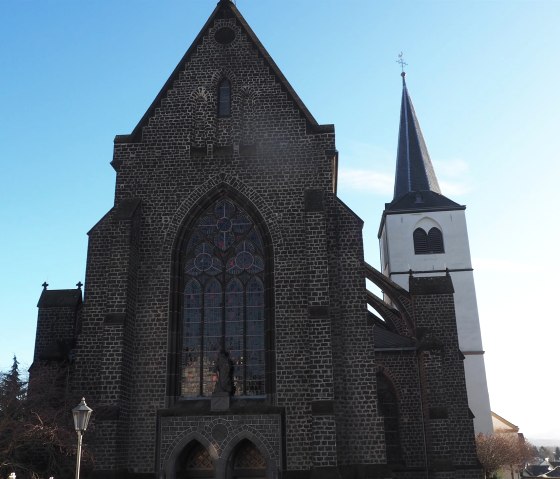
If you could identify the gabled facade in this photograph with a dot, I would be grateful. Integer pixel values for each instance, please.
(224, 330)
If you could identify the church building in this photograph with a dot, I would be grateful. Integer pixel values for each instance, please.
(224, 329)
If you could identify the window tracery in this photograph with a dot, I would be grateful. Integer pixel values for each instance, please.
(223, 301)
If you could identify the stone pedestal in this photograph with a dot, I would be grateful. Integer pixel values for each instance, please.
(219, 401)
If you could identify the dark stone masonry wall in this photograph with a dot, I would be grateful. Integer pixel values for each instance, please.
(401, 368)
(170, 173)
(58, 322)
(449, 427)
(220, 434)
(359, 427)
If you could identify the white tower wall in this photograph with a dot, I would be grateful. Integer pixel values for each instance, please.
(398, 257)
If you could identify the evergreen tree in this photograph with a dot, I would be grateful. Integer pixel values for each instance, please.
(12, 393)
(37, 439)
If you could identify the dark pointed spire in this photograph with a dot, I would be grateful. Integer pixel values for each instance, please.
(414, 167)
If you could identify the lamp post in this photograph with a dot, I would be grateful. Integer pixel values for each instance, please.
(81, 415)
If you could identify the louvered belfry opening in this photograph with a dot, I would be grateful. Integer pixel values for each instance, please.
(435, 240)
(428, 243)
(195, 462)
(420, 241)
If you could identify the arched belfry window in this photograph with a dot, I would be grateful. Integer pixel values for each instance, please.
(223, 303)
(428, 243)
(389, 411)
(224, 98)
(435, 240)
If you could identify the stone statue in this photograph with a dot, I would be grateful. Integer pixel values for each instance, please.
(224, 369)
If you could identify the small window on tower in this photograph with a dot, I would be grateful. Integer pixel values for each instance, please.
(224, 98)
(420, 241)
(435, 241)
(428, 243)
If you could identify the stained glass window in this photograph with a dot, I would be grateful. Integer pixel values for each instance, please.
(223, 303)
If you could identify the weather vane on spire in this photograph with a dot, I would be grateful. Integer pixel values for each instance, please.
(402, 63)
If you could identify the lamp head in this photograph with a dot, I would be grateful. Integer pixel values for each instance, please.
(81, 415)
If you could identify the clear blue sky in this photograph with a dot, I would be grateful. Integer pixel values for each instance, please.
(482, 75)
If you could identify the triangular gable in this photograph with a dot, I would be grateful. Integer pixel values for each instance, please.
(498, 420)
(226, 9)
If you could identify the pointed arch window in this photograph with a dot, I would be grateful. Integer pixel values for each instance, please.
(195, 462)
(389, 410)
(247, 462)
(224, 98)
(428, 243)
(223, 304)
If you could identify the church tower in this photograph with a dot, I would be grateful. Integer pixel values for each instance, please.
(423, 233)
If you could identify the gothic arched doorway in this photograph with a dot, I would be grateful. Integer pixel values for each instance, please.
(194, 462)
(246, 462)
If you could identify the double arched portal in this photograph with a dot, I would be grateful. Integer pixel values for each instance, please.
(244, 462)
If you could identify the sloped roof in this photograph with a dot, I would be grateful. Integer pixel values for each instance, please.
(225, 9)
(422, 201)
(499, 420)
(414, 166)
(416, 184)
(58, 298)
(384, 339)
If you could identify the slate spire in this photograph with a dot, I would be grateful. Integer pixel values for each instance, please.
(414, 167)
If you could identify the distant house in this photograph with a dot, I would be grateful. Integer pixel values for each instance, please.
(541, 468)
(503, 426)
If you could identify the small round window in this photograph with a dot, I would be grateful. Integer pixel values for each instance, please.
(224, 35)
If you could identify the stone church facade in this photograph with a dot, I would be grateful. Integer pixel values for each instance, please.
(224, 329)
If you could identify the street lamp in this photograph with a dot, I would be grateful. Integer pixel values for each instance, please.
(81, 415)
